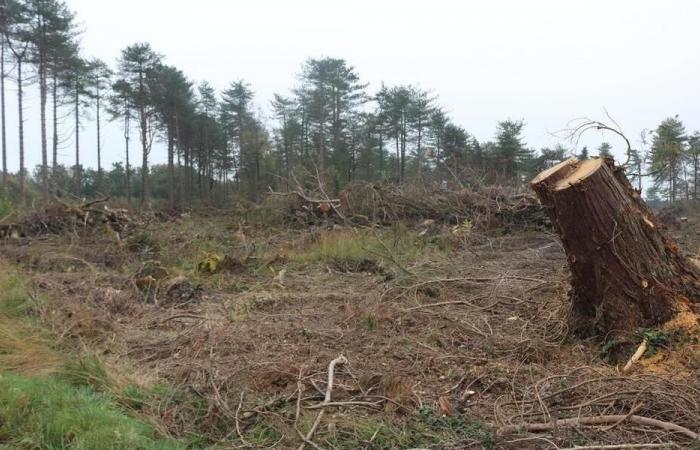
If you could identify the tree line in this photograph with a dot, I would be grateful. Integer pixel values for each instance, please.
(330, 130)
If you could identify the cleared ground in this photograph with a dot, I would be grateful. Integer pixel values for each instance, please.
(220, 333)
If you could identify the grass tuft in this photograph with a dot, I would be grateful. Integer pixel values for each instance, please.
(353, 247)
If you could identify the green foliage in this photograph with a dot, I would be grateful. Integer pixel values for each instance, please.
(210, 264)
(605, 150)
(459, 426)
(656, 338)
(5, 206)
(47, 413)
(370, 322)
(667, 157)
(144, 243)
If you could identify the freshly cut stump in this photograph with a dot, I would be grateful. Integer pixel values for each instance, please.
(626, 272)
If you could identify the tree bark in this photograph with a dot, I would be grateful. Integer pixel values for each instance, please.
(2, 111)
(127, 135)
(77, 174)
(20, 114)
(43, 88)
(54, 161)
(99, 136)
(626, 272)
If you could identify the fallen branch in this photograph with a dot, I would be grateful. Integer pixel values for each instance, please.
(598, 420)
(621, 446)
(329, 389)
(336, 404)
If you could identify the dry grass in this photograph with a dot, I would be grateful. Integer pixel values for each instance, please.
(25, 347)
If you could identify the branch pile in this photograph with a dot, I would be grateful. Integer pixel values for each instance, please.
(486, 207)
(60, 217)
(585, 397)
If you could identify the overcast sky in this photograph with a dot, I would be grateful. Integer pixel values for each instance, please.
(546, 62)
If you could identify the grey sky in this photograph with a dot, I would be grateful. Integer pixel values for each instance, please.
(544, 61)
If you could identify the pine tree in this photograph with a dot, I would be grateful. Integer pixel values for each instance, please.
(98, 82)
(120, 106)
(50, 26)
(18, 38)
(236, 117)
(668, 155)
(605, 150)
(136, 65)
(510, 150)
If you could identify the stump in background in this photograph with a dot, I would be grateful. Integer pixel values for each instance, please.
(626, 272)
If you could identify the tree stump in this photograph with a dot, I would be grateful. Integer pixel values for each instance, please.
(626, 272)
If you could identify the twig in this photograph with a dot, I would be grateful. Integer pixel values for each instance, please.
(329, 389)
(621, 446)
(238, 427)
(598, 420)
(638, 354)
(183, 316)
(356, 403)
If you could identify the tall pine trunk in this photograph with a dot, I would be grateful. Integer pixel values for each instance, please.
(144, 142)
(180, 174)
(127, 125)
(2, 111)
(43, 88)
(99, 140)
(171, 165)
(20, 113)
(54, 162)
(77, 174)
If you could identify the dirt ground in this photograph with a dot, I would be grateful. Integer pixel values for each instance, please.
(450, 335)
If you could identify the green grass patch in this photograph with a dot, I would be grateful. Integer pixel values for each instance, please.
(50, 399)
(49, 413)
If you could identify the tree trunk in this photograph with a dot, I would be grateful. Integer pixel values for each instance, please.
(180, 174)
(144, 141)
(20, 114)
(171, 166)
(626, 272)
(43, 88)
(99, 137)
(77, 174)
(2, 111)
(127, 125)
(54, 162)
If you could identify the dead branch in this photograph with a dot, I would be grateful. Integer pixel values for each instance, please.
(638, 354)
(621, 446)
(598, 420)
(329, 390)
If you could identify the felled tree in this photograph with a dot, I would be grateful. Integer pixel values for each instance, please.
(626, 271)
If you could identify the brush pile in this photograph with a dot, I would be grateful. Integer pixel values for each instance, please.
(364, 203)
(485, 207)
(61, 217)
